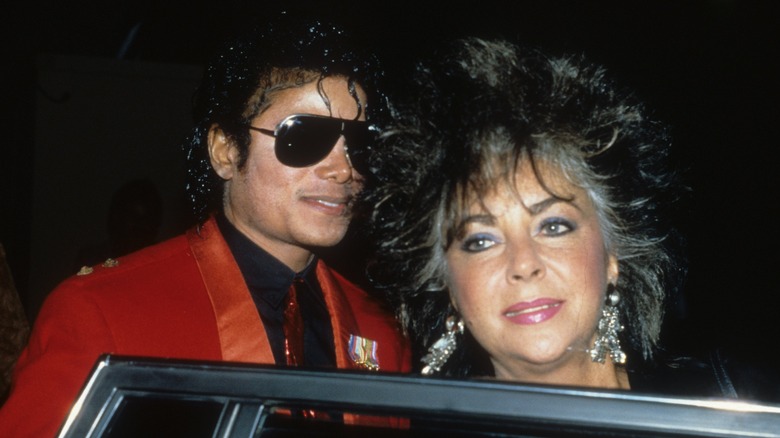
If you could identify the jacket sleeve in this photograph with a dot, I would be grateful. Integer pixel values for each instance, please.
(69, 335)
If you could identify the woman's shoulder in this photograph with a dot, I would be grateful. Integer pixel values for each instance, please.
(715, 373)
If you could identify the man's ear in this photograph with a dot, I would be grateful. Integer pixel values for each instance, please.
(222, 152)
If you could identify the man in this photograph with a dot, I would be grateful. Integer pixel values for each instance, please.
(273, 167)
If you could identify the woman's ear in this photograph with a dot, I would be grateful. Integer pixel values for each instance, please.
(613, 269)
(453, 303)
(222, 152)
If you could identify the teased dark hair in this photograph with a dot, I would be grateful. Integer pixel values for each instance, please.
(474, 113)
(239, 83)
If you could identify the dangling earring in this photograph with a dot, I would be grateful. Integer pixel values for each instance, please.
(442, 349)
(607, 341)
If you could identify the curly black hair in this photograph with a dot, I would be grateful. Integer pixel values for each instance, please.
(240, 81)
(474, 112)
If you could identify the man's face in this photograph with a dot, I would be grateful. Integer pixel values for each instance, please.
(287, 210)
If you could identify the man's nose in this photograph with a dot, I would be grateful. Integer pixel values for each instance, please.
(336, 165)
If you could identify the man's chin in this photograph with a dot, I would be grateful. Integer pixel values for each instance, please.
(324, 239)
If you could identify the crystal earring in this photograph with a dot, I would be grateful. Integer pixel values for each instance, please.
(442, 349)
(609, 326)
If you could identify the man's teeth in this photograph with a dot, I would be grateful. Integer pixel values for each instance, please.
(329, 204)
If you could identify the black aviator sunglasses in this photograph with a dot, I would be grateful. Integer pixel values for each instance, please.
(305, 139)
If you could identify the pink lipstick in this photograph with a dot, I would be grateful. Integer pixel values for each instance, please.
(533, 312)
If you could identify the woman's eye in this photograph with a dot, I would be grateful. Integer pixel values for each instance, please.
(556, 227)
(477, 243)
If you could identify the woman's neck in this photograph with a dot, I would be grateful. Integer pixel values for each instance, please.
(584, 373)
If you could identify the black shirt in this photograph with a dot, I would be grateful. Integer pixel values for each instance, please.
(268, 281)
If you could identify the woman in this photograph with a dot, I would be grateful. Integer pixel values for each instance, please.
(521, 206)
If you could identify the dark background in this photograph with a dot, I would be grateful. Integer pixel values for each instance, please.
(708, 68)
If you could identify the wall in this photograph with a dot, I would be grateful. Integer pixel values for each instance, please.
(101, 122)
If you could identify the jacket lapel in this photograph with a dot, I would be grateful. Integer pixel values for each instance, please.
(341, 317)
(241, 332)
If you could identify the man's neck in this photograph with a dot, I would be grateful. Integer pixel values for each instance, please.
(294, 257)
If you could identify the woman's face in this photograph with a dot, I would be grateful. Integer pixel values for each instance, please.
(528, 273)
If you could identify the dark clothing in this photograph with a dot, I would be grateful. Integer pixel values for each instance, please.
(713, 375)
(268, 281)
(14, 328)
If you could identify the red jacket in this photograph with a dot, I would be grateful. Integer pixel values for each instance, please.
(184, 298)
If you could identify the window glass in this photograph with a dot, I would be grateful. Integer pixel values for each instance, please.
(160, 416)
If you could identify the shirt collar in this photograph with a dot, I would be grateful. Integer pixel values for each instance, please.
(262, 272)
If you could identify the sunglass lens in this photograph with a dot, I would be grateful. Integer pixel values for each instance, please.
(359, 140)
(304, 141)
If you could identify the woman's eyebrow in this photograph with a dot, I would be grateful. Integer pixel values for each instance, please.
(534, 209)
(480, 218)
(544, 204)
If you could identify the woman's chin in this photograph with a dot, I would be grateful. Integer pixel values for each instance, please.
(541, 364)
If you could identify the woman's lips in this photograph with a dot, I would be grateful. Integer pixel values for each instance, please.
(533, 312)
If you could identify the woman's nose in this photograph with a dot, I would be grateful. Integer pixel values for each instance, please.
(525, 263)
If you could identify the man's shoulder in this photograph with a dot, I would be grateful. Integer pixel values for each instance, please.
(155, 263)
